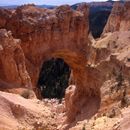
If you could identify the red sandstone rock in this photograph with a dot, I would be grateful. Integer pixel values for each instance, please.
(12, 60)
(119, 18)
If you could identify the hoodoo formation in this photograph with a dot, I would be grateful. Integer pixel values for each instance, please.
(99, 70)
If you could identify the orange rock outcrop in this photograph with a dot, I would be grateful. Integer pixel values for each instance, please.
(119, 18)
(12, 63)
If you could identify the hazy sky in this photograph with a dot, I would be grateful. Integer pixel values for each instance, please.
(49, 2)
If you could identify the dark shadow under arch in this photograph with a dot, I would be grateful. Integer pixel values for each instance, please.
(54, 78)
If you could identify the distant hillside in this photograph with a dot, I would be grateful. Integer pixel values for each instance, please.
(99, 13)
(9, 6)
(47, 6)
(15, 6)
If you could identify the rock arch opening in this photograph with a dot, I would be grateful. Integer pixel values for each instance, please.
(54, 78)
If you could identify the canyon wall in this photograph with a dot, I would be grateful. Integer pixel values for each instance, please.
(110, 54)
(13, 73)
(119, 20)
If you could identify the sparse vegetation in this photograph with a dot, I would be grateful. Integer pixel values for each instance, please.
(119, 80)
(120, 87)
(124, 100)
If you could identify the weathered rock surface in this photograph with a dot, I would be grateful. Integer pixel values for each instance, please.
(113, 23)
(119, 18)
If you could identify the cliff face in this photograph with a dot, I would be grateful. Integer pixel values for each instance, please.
(19, 113)
(119, 18)
(4, 15)
(110, 54)
(12, 63)
(125, 23)
(115, 39)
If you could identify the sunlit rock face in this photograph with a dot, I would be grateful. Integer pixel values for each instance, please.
(12, 63)
(119, 18)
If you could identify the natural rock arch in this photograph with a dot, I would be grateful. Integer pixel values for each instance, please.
(60, 33)
(83, 91)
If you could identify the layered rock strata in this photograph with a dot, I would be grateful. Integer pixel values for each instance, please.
(13, 73)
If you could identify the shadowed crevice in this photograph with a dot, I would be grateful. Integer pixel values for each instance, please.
(54, 78)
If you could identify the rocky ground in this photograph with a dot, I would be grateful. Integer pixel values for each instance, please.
(18, 113)
(33, 114)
